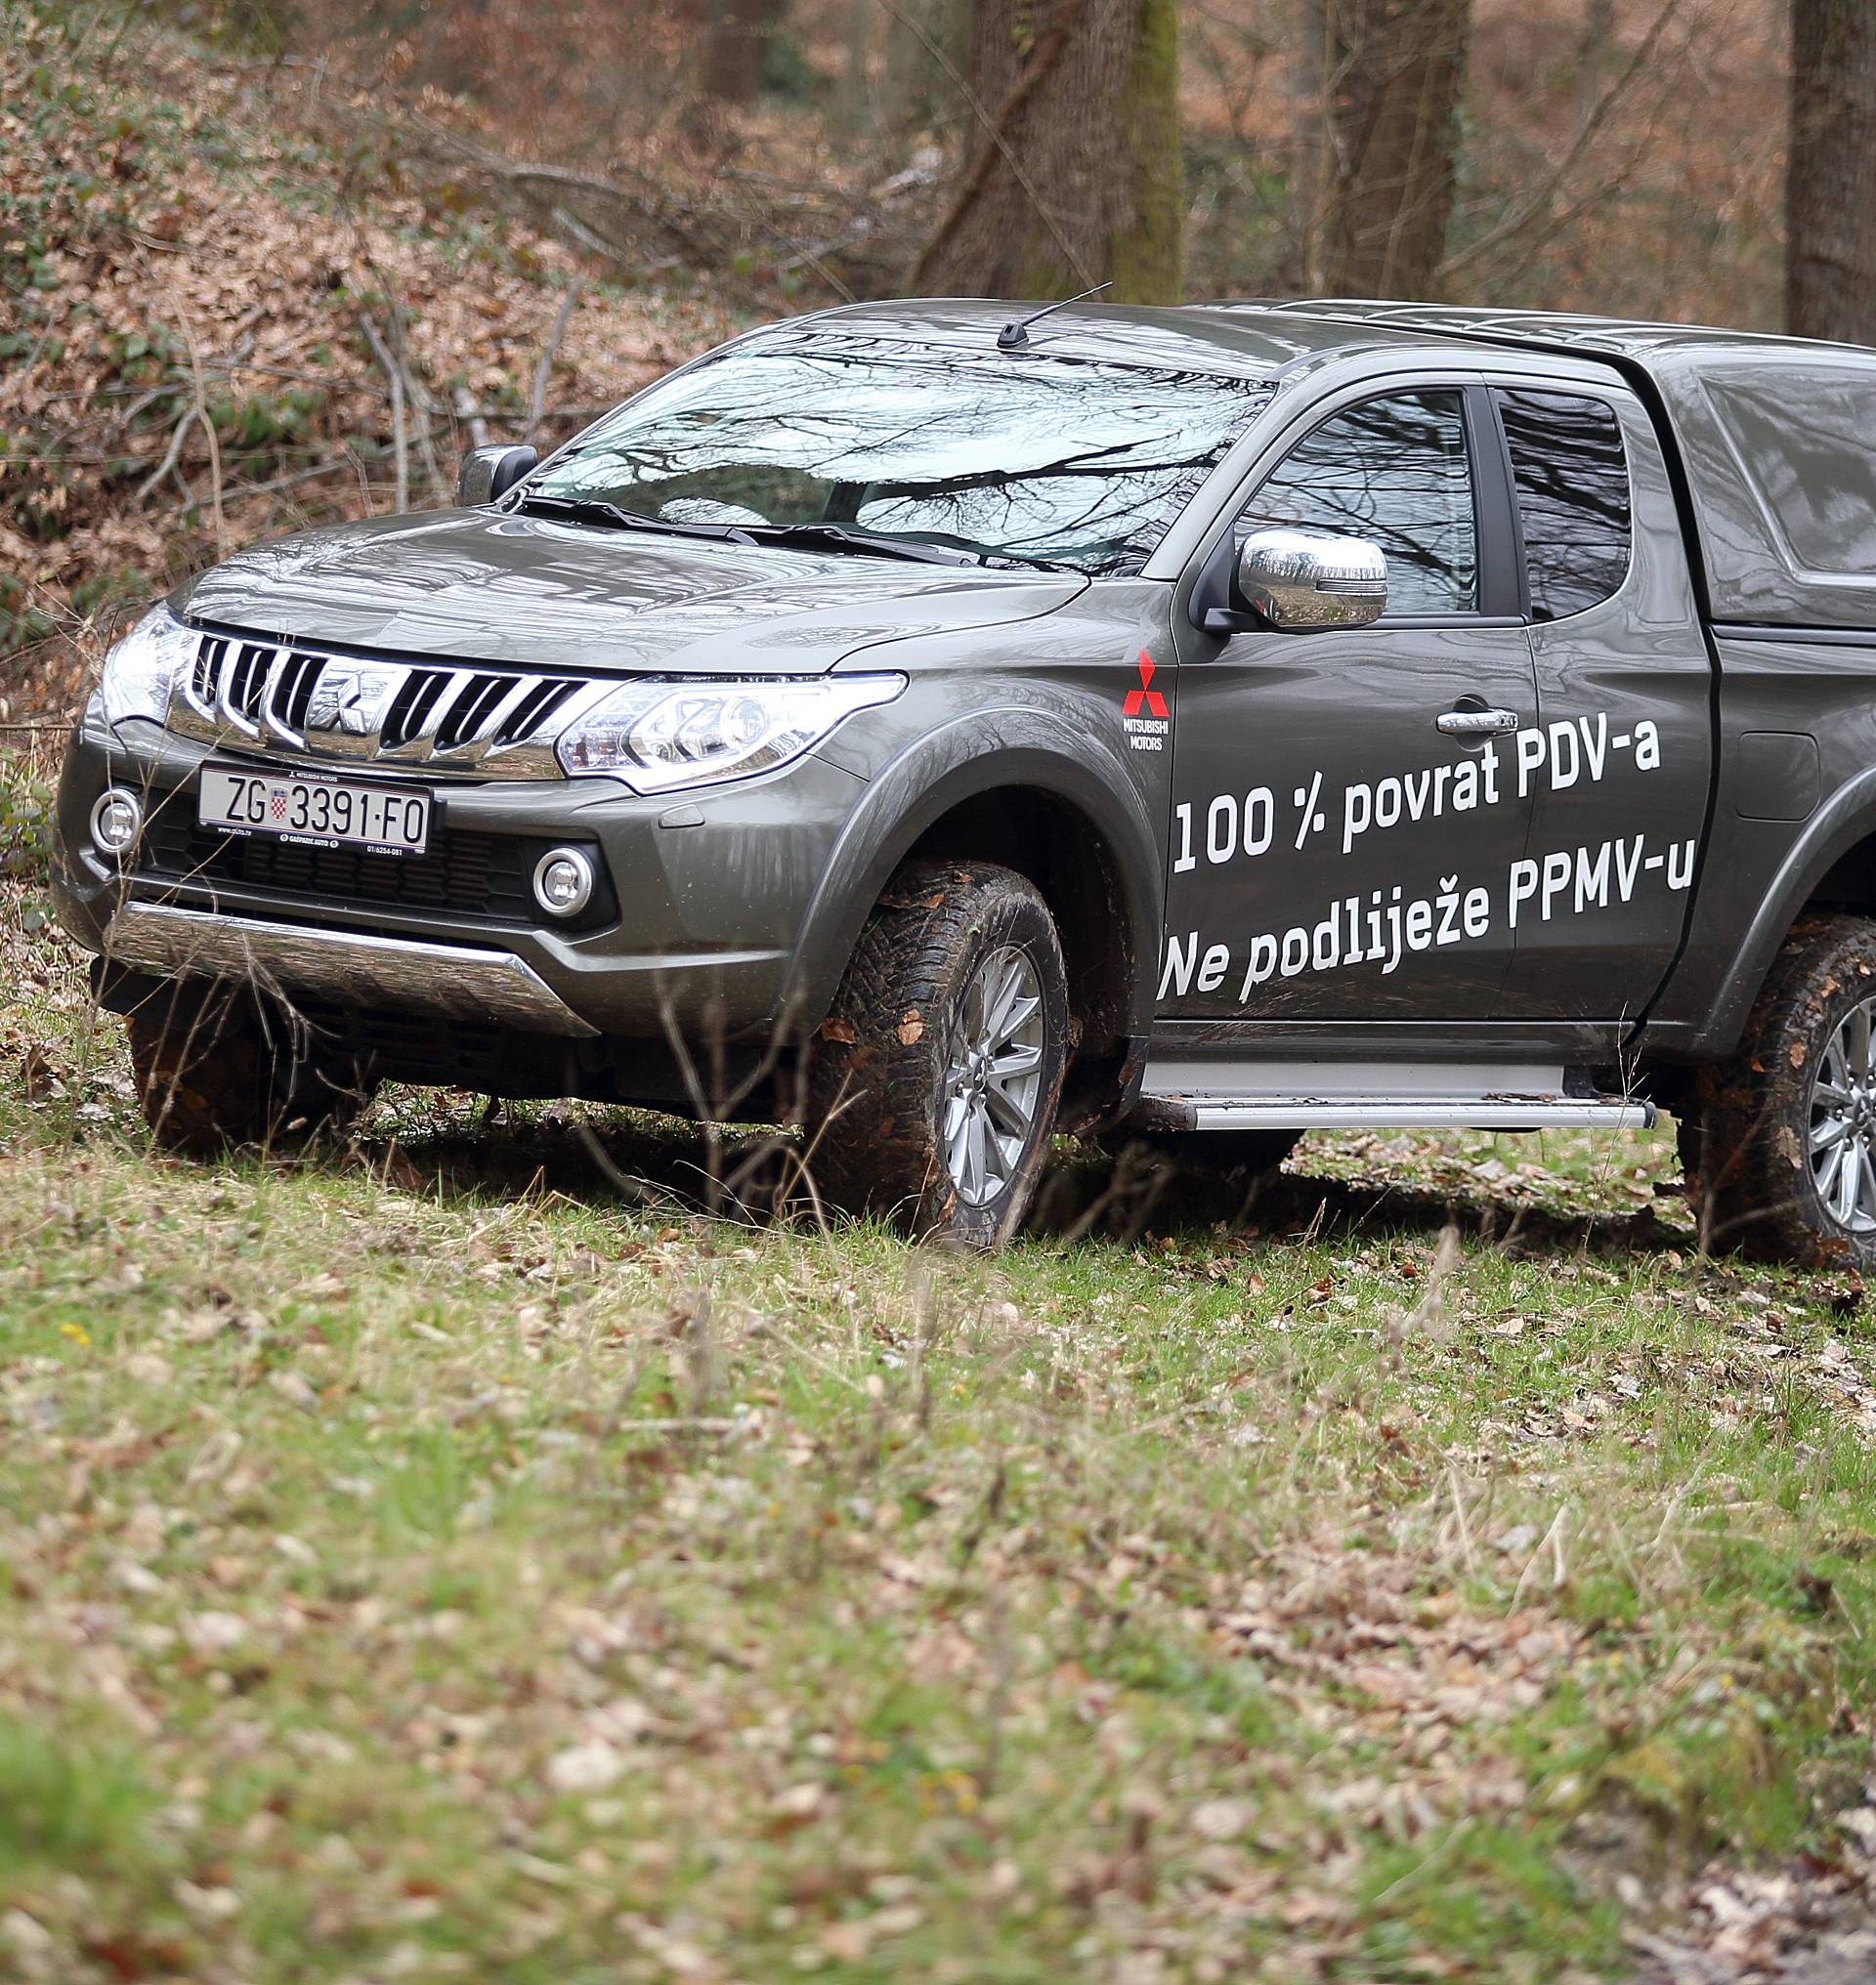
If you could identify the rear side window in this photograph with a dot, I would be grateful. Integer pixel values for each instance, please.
(1573, 483)
(1395, 471)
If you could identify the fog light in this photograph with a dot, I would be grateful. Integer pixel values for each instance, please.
(563, 882)
(116, 820)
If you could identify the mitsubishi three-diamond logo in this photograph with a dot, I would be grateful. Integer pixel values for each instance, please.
(348, 701)
(1144, 715)
(1146, 696)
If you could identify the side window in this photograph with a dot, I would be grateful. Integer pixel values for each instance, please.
(1571, 477)
(1395, 471)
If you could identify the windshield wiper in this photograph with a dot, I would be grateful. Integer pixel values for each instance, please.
(844, 538)
(596, 509)
(815, 537)
(1037, 564)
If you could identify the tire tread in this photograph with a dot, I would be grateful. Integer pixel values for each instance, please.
(870, 1096)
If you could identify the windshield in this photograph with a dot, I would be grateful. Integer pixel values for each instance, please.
(1032, 459)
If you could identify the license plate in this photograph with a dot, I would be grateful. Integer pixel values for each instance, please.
(316, 812)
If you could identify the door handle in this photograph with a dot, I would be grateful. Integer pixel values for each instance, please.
(1474, 722)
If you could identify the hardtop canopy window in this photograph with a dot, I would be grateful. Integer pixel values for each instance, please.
(1395, 471)
(1805, 435)
(1037, 458)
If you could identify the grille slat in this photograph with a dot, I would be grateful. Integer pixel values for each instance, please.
(295, 692)
(206, 670)
(471, 708)
(411, 707)
(246, 677)
(461, 718)
(533, 710)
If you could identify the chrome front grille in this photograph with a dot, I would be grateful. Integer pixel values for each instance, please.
(494, 723)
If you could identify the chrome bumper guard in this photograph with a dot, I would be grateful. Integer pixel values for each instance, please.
(351, 966)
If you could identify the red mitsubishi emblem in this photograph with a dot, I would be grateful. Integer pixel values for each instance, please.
(1146, 697)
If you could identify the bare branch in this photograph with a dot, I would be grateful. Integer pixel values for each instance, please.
(1537, 202)
(395, 373)
(538, 398)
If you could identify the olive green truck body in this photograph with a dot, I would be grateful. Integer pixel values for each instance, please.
(1515, 840)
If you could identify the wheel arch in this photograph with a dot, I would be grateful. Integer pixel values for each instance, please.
(1029, 790)
(1830, 865)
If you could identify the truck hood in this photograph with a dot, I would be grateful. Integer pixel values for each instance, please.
(475, 585)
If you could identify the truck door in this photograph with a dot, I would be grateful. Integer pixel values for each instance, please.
(1343, 812)
(1617, 770)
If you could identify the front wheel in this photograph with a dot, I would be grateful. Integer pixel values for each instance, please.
(935, 1079)
(1779, 1143)
(212, 1069)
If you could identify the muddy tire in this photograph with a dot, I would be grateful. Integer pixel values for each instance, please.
(213, 1072)
(1779, 1143)
(934, 1081)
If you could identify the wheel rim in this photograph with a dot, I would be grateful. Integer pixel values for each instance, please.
(1843, 1123)
(994, 1075)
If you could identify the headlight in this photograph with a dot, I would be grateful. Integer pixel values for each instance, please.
(657, 735)
(145, 667)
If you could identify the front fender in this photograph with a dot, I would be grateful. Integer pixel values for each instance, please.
(1002, 750)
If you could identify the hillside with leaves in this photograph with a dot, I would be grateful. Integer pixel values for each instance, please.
(218, 329)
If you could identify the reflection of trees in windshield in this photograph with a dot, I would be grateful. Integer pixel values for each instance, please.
(1052, 459)
(1393, 471)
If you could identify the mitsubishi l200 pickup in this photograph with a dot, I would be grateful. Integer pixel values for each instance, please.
(942, 730)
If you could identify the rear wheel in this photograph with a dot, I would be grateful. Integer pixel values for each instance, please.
(935, 1080)
(1779, 1145)
(213, 1070)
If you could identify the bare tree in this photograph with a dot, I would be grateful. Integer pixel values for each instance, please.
(1831, 185)
(1073, 173)
(925, 55)
(1376, 131)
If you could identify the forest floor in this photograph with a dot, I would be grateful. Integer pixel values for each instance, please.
(419, 1559)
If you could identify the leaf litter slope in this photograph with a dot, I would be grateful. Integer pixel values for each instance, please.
(207, 294)
(421, 1563)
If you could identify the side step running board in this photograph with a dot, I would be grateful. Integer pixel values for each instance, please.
(1397, 1113)
(1189, 1095)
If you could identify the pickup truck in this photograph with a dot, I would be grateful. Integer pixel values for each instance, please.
(942, 728)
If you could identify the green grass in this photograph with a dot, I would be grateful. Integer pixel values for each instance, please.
(416, 1561)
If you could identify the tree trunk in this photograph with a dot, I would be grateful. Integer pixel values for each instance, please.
(926, 46)
(1831, 185)
(1078, 178)
(1312, 149)
(1378, 155)
(732, 40)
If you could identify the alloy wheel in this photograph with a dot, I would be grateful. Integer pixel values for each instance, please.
(994, 1074)
(1843, 1123)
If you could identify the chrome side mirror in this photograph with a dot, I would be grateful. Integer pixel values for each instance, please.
(1303, 580)
(489, 473)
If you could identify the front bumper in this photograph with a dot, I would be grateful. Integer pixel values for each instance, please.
(710, 891)
(352, 967)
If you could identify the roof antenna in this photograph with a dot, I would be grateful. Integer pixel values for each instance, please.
(1014, 335)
